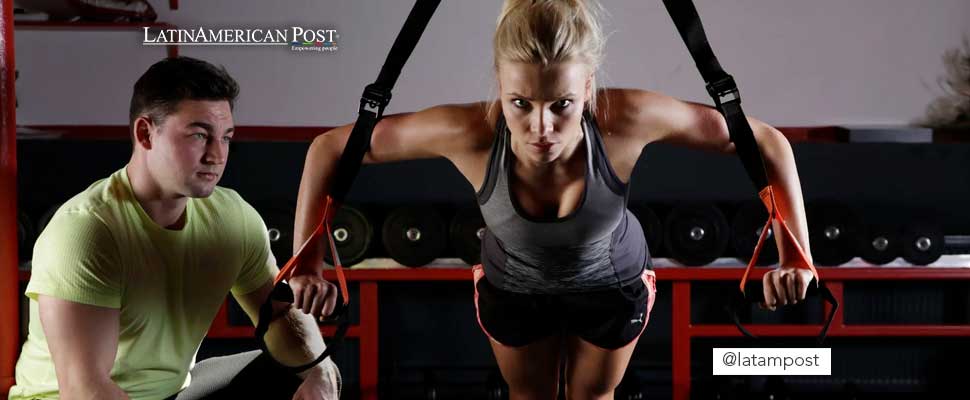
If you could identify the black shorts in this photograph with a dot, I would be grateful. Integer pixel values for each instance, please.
(609, 319)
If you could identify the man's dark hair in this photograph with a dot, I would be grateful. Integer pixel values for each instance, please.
(166, 83)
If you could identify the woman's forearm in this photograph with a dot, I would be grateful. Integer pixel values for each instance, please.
(783, 177)
(318, 170)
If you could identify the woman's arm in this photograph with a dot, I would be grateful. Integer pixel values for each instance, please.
(442, 131)
(642, 117)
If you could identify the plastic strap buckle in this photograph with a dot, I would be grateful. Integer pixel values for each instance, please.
(724, 91)
(374, 99)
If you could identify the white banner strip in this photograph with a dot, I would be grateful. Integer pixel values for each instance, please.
(772, 361)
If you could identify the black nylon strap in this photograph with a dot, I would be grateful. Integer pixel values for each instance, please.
(377, 95)
(727, 99)
(406, 40)
(374, 99)
(721, 87)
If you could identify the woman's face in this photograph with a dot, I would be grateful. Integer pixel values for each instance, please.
(543, 106)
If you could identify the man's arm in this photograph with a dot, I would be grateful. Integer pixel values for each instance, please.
(293, 337)
(83, 341)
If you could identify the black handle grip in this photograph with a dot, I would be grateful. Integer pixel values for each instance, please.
(284, 293)
(754, 294)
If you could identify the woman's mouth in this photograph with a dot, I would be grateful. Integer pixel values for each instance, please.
(542, 147)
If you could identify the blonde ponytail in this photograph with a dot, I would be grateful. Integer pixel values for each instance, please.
(550, 31)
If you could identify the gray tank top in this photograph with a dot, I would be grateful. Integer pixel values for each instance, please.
(599, 245)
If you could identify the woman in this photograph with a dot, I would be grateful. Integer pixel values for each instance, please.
(565, 264)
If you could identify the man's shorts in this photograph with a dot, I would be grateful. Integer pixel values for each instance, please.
(609, 319)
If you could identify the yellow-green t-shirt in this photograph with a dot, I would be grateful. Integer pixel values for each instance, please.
(102, 249)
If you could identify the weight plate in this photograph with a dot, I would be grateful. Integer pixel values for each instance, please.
(695, 234)
(465, 234)
(353, 233)
(746, 226)
(414, 235)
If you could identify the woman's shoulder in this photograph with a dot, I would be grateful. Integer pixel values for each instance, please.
(472, 115)
(472, 123)
(620, 109)
(617, 101)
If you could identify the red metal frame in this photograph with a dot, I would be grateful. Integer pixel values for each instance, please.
(120, 132)
(683, 330)
(9, 309)
(366, 332)
(815, 134)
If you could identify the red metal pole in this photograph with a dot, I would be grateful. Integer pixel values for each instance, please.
(9, 283)
(369, 337)
(681, 339)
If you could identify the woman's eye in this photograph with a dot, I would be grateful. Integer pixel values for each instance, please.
(519, 103)
(561, 104)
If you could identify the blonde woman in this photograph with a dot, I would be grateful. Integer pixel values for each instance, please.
(564, 263)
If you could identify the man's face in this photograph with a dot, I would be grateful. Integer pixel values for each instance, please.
(190, 148)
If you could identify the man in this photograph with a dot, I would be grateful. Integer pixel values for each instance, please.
(129, 274)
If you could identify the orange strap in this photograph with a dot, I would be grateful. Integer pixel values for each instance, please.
(789, 243)
(292, 267)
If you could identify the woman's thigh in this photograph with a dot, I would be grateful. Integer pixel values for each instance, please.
(532, 370)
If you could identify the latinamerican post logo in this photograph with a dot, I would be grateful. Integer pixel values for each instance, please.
(298, 38)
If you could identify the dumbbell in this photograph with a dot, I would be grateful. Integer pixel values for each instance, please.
(278, 217)
(353, 233)
(465, 233)
(922, 242)
(881, 243)
(834, 232)
(414, 235)
(652, 227)
(746, 228)
(695, 234)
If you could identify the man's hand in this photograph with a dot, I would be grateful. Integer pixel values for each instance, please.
(321, 383)
(785, 285)
(313, 294)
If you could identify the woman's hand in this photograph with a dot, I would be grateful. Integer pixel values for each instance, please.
(313, 294)
(785, 285)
